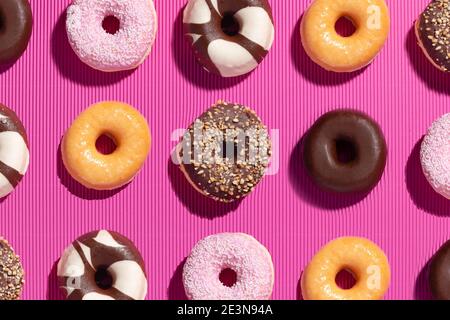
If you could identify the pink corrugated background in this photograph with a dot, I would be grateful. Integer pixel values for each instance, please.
(48, 87)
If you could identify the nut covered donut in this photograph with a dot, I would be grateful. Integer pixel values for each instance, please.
(130, 133)
(439, 276)
(229, 38)
(362, 258)
(345, 151)
(102, 265)
(16, 24)
(11, 272)
(334, 52)
(225, 152)
(238, 252)
(127, 48)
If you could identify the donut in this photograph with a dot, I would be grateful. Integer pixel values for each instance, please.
(345, 151)
(16, 24)
(361, 257)
(229, 38)
(14, 154)
(102, 265)
(225, 152)
(434, 155)
(238, 252)
(439, 275)
(337, 53)
(433, 33)
(125, 49)
(11, 272)
(130, 133)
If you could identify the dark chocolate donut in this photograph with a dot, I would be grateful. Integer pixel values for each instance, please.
(433, 33)
(225, 152)
(102, 265)
(16, 23)
(439, 276)
(11, 273)
(229, 38)
(345, 151)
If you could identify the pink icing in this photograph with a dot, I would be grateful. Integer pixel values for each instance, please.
(127, 48)
(435, 155)
(237, 251)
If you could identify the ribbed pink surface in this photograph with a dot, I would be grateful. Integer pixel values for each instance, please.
(48, 87)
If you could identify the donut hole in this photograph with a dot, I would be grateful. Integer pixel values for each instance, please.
(346, 151)
(228, 277)
(345, 279)
(230, 25)
(103, 278)
(345, 27)
(2, 22)
(105, 144)
(111, 24)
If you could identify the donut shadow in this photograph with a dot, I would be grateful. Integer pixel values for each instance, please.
(299, 294)
(433, 78)
(422, 289)
(5, 67)
(71, 67)
(305, 187)
(53, 291)
(420, 191)
(190, 68)
(193, 200)
(176, 288)
(77, 189)
(310, 70)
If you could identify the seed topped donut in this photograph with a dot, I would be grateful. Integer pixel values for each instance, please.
(123, 49)
(229, 38)
(236, 253)
(11, 272)
(433, 33)
(102, 265)
(345, 151)
(337, 53)
(225, 152)
(16, 24)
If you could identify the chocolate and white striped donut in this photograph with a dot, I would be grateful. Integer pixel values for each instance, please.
(102, 265)
(14, 154)
(229, 37)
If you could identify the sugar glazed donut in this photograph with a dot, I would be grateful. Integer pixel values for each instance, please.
(14, 154)
(130, 133)
(434, 155)
(334, 52)
(241, 253)
(102, 265)
(439, 275)
(345, 151)
(16, 24)
(362, 258)
(229, 38)
(11, 272)
(433, 33)
(127, 48)
(225, 152)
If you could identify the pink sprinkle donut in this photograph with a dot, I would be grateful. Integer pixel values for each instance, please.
(435, 155)
(239, 252)
(127, 48)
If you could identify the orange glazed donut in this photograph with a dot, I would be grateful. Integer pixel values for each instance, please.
(361, 257)
(129, 131)
(334, 52)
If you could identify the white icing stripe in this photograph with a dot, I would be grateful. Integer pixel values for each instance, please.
(194, 36)
(14, 151)
(197, 11)
(87, 253)
(129, 279)
(96, 296)
(230, 58)
(216, 6)
(5, 187)
(105, 238)
(70, 264)
(256, 26)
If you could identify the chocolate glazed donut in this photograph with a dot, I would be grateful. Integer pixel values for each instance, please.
(16, 23)
(345, 151)
(439, 276)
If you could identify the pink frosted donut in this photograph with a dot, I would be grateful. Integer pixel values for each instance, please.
(239, 252)
(435, 155)
(127, 48)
